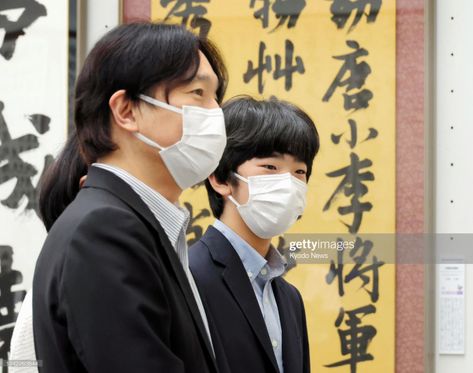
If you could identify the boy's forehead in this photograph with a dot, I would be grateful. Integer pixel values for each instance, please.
(280, 156)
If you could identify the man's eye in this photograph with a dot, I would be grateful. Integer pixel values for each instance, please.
(198, 91)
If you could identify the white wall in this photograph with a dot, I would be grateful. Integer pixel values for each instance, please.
(453, 149)
(33, 81)
(99, 16)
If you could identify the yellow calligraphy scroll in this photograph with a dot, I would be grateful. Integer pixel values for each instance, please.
(336, 60)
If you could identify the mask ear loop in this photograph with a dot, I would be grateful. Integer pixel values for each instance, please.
(148, 141)
(241, 177)
(231, 197)
(153, 101)
(234, 201)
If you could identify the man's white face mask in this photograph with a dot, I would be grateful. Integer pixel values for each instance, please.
(193, 158)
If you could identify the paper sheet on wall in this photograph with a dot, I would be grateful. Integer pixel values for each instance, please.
(452, 308)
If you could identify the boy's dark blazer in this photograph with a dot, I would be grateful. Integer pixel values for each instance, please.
(109, 292)
(234, 314)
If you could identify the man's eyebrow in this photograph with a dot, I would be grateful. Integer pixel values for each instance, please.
(206, 78)
(202, 77)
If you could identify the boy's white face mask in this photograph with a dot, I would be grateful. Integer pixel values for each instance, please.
(274, 203)
(193, 158)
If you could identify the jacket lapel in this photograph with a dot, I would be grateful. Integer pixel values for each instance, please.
(236, 279)
(291, 353)
(102, 179)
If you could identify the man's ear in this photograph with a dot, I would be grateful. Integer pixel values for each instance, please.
(122, 109)
(223, 189)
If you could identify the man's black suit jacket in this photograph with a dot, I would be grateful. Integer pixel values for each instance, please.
(109, 292)
(235, 316)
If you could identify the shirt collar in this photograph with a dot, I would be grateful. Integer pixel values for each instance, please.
(172, 217)
(255, 265)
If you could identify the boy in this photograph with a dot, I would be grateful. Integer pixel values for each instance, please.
(256, 193)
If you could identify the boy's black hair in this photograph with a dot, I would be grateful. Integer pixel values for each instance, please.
(258, 129)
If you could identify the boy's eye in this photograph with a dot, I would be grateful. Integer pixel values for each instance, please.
(269, 167)
(301, 172)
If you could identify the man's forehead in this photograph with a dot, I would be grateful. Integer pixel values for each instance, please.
(206, 77)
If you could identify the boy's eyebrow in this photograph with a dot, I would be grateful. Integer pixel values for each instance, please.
(273, 155)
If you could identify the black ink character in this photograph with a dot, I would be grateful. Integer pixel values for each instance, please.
(356, 339)
(359, 270)
(194, 228)
(357, 74)
(373, 133)
(14, 167)
(264, 64)
(14, 29)
(342, 10)
(358, 100)
(291, 66)
(286, 11)
(10, 301)
(186, 9)
(263, 13)
(353, 185)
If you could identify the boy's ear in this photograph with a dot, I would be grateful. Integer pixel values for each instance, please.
(221, 188)
(122, 110)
